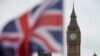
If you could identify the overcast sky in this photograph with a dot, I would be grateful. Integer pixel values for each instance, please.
(88, 17)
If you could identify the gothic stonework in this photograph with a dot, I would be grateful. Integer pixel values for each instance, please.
(73, 36)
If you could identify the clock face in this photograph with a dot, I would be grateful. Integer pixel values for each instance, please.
(72, 36)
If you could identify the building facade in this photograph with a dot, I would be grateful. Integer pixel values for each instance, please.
(73, 36)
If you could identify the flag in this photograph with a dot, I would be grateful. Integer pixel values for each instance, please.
(38, 30)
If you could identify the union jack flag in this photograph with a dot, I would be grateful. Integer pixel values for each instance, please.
(38, 30)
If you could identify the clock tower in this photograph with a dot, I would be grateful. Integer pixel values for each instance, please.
(73, 36)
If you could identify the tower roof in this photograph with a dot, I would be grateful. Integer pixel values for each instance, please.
(94, 54)
(73, 12)
(73, 22)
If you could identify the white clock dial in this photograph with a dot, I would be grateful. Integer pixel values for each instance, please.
(72, 36)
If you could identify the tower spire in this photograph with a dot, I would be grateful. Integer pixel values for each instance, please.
(73, 11)
(73, 2)
(94, 54)
(73, 21)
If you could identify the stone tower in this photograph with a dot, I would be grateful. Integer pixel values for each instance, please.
(73, 36)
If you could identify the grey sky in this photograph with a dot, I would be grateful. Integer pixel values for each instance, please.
(87, 11)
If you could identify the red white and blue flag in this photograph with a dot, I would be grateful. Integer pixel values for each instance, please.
(38, 30)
